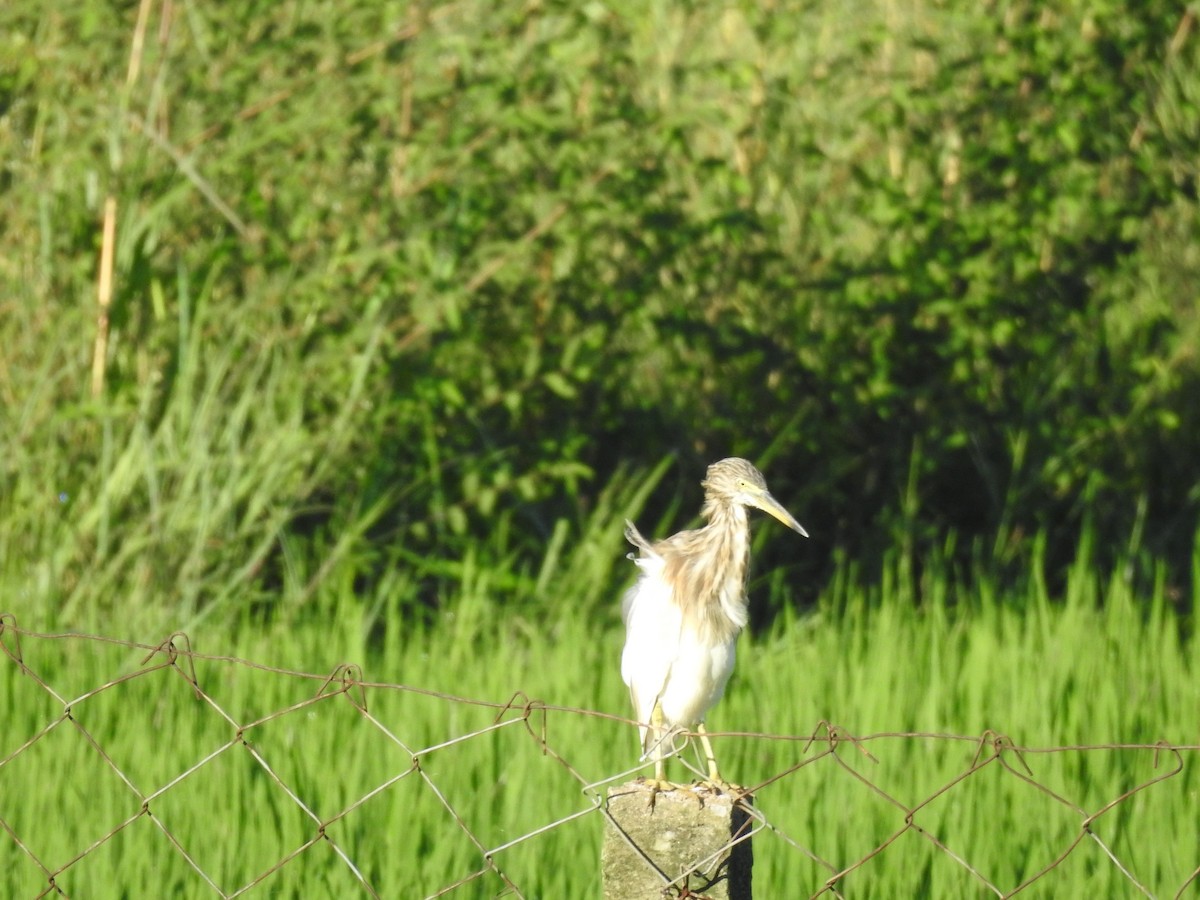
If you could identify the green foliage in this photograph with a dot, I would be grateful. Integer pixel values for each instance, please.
(414, 304)
(420, 282)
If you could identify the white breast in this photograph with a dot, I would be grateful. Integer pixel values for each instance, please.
(683, 669)
(697, 681)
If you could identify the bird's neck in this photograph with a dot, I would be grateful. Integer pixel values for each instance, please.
(728, 562)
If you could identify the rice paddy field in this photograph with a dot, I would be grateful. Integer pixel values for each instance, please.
(480, 742)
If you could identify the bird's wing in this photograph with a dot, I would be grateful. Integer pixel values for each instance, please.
(652, 628)
(650, 563)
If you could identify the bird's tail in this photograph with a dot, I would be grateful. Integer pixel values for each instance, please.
(635, 537)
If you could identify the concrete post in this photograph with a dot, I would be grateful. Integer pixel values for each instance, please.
(684, 842)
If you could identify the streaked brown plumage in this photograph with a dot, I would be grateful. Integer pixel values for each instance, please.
(686, 610)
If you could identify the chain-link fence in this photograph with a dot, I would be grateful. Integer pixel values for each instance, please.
(56, 749)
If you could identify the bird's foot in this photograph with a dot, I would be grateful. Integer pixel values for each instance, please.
(658, 786)
(719, 785)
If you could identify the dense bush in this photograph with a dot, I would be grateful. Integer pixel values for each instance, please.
(436, 277)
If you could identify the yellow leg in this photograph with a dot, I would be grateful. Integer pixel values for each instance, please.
(714, 774)
(655, 735)
(658, 736)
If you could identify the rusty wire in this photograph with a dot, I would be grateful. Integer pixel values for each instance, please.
(829, 745)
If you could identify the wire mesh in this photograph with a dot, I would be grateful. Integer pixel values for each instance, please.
(159, 806)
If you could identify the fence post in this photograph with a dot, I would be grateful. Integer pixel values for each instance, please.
(688, 835)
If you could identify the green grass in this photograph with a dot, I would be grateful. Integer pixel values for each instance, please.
(1104, 666)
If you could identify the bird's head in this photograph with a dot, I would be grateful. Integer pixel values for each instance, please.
(736, 481)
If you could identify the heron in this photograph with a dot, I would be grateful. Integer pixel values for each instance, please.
(684, 613)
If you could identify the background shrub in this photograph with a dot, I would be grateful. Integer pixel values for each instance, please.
(413, 286)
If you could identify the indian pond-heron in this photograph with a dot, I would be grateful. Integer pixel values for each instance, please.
(687, 608)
